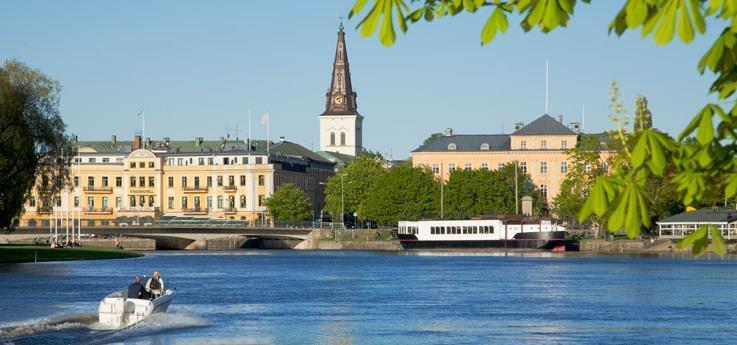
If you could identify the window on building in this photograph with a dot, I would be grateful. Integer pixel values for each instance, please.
(220, 202)
(484, 147)
(201, 161)
(142, 201)
(106, 160)
(141, 164)
(150, 164)
(211, 161)
(544, 191)
(564, 144)
(92, 160)
(209, 202)
(467, 166)
(197, 202)
(196, 181)
(523, 167)
(543, 144)
(118, 202)
(150, 181)
(209, 181)
(484, 166)
(76, 201)
(225, 160)
(133, 201)
(499, 165)
(171, 161)
(133, 165)
(332, 138)
(243, 201)
(142, 181)
(436, 168)
(171, 181)
(118, 181)
(523, 144)
(184, 202)
(105, 204)
(543, 167)
(261, 180)
(133, 181)
(180, 161)
(563, 167)
(259, 160)
(220, 181)
(243, 180)
(451, 167)
(170, 202)
(91, 181)
(32, 201)
(231, 202)
(342, 138)
(244, 160)
(184, 181)
(90, 201)
(261, 200)
(231, 180)
(150, 201)
(452, 147)
(104, 181)
(76, 181)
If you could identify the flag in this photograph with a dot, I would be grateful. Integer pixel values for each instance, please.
(265, 118)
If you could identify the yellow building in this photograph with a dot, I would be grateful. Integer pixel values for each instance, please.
(117, 182)
(539, 148)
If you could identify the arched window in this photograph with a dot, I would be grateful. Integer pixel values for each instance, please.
(452, 147)
(342, 138)
(484, 147)
(332, 138)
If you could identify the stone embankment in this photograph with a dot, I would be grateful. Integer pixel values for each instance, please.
(361, 239)
(637, 246)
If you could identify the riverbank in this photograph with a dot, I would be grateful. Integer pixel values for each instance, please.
(25, 253)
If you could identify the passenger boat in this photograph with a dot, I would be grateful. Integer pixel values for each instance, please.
(117, 311)
(487, 232)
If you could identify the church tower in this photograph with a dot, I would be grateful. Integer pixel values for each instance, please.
(341, 124)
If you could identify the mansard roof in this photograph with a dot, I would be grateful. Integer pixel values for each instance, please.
(545, 125)
(467, 143)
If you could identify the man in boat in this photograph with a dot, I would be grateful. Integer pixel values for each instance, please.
(136, 289)
(155, 285)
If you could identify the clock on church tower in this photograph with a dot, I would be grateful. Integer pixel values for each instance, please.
(340, 123)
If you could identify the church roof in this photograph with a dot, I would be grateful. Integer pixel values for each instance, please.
(545, 125)
(340, 98)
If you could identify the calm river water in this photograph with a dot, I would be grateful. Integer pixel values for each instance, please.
(295, 297)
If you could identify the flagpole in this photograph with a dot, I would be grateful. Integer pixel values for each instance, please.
(143, 127)
(249, 133)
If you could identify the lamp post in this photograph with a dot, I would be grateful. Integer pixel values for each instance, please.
(342, 202)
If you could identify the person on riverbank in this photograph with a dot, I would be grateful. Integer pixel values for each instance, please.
(155, 285)
(136, 289)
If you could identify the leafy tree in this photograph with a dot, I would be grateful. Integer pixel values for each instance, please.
(353, 183)
(701, 170)
(372, 154)
(432, 137)
(33, 147)
(473, 192)
(289, 204)
(585, 166)
(403, 193)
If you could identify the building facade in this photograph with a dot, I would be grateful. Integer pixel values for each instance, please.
(341, 126)
(683, 224)
(539, 148)
(122, 182)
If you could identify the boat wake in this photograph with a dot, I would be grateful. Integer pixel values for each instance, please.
(84, 329)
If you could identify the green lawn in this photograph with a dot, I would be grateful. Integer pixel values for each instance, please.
(21, 253)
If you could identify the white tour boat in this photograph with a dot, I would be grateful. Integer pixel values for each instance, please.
(487, 232)
(117, 311)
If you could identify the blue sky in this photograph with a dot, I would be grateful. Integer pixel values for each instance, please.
(194, 66)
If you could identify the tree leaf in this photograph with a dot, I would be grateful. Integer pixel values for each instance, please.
(717, 241)
(639, 152)
(685, 28)
(697, 238)
(666, 30)
(386, 32)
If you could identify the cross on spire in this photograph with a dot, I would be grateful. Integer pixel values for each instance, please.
(340, 27)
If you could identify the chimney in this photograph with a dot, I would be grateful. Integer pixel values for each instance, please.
(575, 127)
(518, 125)
(281, 139)
(198, 141)
(148, 142)
(448, 132)
(137, 142)
(114, 139)
(560, 118)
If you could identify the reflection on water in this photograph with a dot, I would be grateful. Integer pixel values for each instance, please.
(418, 297)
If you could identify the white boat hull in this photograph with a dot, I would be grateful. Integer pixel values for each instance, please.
(116, 311)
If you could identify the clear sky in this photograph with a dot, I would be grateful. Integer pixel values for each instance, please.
(194, 66)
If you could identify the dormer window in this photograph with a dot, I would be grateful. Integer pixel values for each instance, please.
(523, 145)
(484, 147)
(452, 147)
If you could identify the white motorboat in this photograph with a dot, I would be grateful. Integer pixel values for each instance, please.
(117, 311)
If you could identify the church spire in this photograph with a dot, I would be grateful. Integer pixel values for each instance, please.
(341, 99)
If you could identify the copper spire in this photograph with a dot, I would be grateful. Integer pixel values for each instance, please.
(341, 99)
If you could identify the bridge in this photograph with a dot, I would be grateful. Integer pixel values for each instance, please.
(182, 237)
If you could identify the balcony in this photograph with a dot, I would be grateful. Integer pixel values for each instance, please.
(101, 210)
(195, 189)
(98, 189)
(196, 210)
(139, 210)
(230, 210)
(231, 188)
